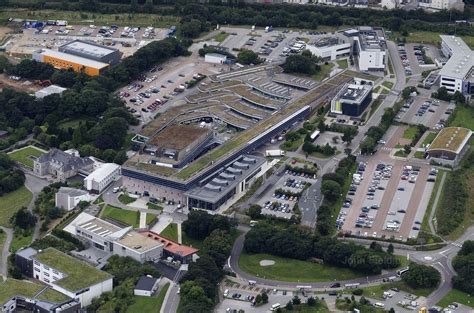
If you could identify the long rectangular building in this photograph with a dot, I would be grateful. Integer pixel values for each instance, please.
(457, 73)
(370, 50)
(61, 60)
(92, 51)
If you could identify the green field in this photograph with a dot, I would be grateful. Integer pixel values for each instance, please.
(123, 216)
(428, 139)
(150, 217)
(419, 155)
(24, 155)
(12, 287)
(324, 72)
(456, 296)
(463, 117)
(221, 37)
(12, 202)
(170, 232)
(387, 84)
(87, 18)
(433, 38)
(72, 123)
(342, 64)
(126, 199)
(19, 241)
(153, 206)
(292, 270)
(410, 132)
(400, 153)
(52, 295)
(149, 304)
(319, 308)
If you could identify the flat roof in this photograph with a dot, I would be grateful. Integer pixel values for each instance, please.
(177, 136)
(138, 242)
(100, 227)
(74, 59)
(462, 58)
(13, 287)
(228, 179)
(354, 93)
(170, 245)
(452, 139)
(79, 274)
(369, 39)
(53, 89)
(103, 171)
(88, 47)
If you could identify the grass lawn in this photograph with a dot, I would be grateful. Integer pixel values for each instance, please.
(401, 153)
(12, 287)
(221, 37)
(149, 304)
(72, 123)
(428, 139)
(19, 241)
(53, 296)
(87, 18)
(419, 155)
(24, 155)
(99, 200)
(342, 64)
(319, 308)
(463, 117)
(12, 202)
(410, 132)
(377, 90)
(3, 237)
(456, 296)
(387, 84)
(153, 206)
(292, 145)
(150, 217)
(374, 106)
(376, 292)
(324, 72)
(198, 244)
(170, 232)
(120, 215)
(293, 270)
(126, 199)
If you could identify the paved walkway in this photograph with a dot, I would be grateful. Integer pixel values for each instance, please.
(6, 251)
(142, 219)
(435, 204)
(180, 233)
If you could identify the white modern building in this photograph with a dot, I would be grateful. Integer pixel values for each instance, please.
(68, 198)
(50, 90)
(139, 247)
(102, 177)
(297, 1)
(370, 50)
(330, 48)
(457, 74)
(441, 4)
(334, 2)
(65, 274)
(390, 4)
(215, 58)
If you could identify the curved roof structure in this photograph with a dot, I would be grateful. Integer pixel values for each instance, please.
(452, 139)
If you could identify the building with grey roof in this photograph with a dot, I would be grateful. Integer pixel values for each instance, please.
(68, 198)
(146, 286)
(61, 165)
(370, 49)
(92, 51)
(50, 90)
(352, 99)
(457, 74)
(228, 184)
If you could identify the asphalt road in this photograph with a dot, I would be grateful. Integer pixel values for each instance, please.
(6, 251)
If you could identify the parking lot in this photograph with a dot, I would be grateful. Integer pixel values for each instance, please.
(126, 39)
(426, 111)
(280, 199)
(415, 56)
(382, 201)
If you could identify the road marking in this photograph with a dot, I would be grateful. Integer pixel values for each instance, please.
(444, 251)
(440, 264)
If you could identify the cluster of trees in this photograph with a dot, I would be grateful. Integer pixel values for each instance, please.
(455, 198)
(299, 243)
(23, 221)
(407, 91)
(296, 302)
(45, 205)
(375, 133)
(348, 132)
(331, 188)
(420, 130)
(310, 170)
(463, 263)
(103, 124)
(11, 178)
(442, 94)
(304, 63)
(422, 276)
(126, 272)
(326, 150)
(248, 57)
(199, 285)
(207, 49)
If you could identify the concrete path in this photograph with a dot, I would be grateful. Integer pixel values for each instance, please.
(6, 251)
(168, 292)
(435, 204)
(142, 220)
(162, 223)
(180, 234)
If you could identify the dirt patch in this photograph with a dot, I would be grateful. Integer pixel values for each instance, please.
(267, 262)
(22, 85)
(4, 31)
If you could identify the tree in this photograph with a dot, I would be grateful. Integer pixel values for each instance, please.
(23, 219)
(258, 299)
(296, 300)
(264, 298)
(218, 245)
(300, 64)
(392, 310)
(311, 301)
(422, 276)
(254, 211)
(289, 306)
(331, 190)
(390, 249)
(247, 57)
(407, 149)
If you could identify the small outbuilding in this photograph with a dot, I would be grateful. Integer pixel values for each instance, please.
(146, 286)
(215, 58)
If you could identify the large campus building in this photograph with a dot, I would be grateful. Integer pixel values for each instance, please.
(450, 145)
(442, 4)
(370, 49)
(216, 133)
(352, 99)
(457, 74)
(92, 51)
(330, 48)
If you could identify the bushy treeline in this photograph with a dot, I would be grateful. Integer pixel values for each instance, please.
(331, 188)
(104, 120)
(11, 178)
(463, 263)
(299, 243)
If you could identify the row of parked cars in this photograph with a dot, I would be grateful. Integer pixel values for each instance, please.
(278, 206)
(404, 58)
(293, 183)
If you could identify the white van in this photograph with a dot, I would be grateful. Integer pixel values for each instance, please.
(379, 305)
(275, 306)
(226, 292)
